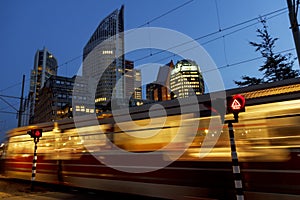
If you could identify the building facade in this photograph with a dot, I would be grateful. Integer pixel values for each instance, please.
(57, 96)
(54, 97)
(45, 65)
(159, 90)
(186, 79)
(103, 57)
(133, 81)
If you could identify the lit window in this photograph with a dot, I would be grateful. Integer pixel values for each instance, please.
(107, 52)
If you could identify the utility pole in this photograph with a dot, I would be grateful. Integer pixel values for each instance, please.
(293, 11)
(21, 104)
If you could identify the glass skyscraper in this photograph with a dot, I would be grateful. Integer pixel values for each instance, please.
(103, 58)
(45, 65)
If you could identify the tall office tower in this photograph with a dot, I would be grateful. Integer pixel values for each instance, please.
(103, 58)
(45, 65)
(185, 76)
(137, 84)
(133, 81)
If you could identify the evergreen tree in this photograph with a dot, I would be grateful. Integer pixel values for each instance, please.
(276, 66)
(247, 81)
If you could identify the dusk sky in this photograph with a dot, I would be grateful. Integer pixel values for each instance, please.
(64, 27)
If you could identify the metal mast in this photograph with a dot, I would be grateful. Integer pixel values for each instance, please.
(293, 11)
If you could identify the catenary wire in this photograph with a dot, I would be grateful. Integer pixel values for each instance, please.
(246, 61)
(198, 38)
(212, 33)
(220, 37)
(166, 13)
(145, 24)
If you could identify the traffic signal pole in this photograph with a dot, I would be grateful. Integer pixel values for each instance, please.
(34, 162)
(235, 105)
(35, 134)
(238, 184)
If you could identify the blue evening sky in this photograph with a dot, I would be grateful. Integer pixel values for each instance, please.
(64, 27)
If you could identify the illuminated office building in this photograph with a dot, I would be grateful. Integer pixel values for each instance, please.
(133, 81)
(186, 79)
(54, 97)
(45, 65)
(103, 58)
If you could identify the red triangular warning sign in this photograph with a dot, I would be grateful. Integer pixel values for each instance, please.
(236, 105)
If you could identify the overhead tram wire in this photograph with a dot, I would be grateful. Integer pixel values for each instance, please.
(71, 60)
(80, 56)
(145, 24)
(218, 16)
(246, 61)
(166, 13)
(8, 104)
(237, 30)
(14, 85)
(199, 38)
(240, 62)
(253, 19)
(9, 107)
(219, 37)
(8, 112)
(214, 33)
(9, 96)
(11, 86)
(223, 37)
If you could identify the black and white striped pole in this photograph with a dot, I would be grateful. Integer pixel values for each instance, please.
(235, 105)
(238, 184)
(35, 134)
(34, 162)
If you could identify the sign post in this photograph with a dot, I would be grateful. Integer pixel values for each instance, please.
(235, 105)
(35, 134)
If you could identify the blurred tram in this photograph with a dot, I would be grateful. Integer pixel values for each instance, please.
(267, 138)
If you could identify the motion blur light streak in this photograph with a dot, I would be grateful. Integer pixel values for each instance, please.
(267, 139)
(185, 131)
